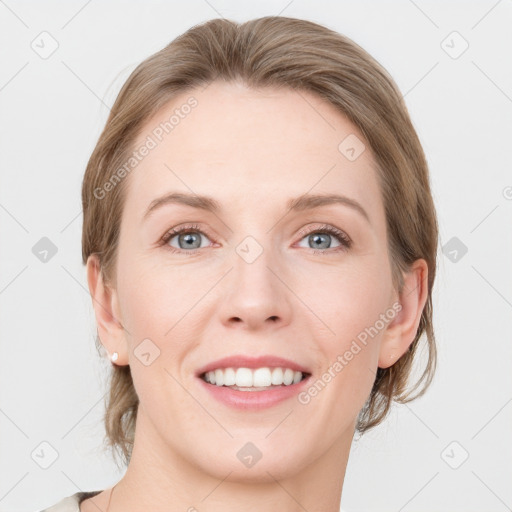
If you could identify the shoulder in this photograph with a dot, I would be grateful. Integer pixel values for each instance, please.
(71, 503)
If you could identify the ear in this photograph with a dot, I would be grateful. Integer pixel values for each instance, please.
(106, 310)
(401, 331)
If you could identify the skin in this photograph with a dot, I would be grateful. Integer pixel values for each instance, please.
(248, 148)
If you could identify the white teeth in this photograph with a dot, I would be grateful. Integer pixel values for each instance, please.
(297, 377)
(219, 377)
(277, 376)
(229, 377)
(288, 376)
(257, 378)
(262, 377)
(243, 377)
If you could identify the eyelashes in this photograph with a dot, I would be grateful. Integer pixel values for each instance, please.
(340, 236)
(194, 228)
(343, 238)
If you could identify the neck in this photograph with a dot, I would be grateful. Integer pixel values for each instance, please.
(160, 478)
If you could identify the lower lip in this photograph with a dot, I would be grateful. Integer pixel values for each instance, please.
(254, 400)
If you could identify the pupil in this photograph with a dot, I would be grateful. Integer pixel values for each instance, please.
(317, 238)
(189, 239)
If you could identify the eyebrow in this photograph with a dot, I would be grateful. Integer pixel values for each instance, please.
(301, 203)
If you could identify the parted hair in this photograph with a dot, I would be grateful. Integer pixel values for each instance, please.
(274, 51)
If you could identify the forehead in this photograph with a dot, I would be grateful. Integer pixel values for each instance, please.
(229, 141)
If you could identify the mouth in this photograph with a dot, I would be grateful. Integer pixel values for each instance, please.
(246, 396)
(253, 383)
(261, 379)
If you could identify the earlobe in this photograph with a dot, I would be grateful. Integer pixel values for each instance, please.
(401, 331)
(104, 302)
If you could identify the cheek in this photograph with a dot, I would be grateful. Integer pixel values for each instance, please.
(346, 300)
(153, 296)
(154, 306)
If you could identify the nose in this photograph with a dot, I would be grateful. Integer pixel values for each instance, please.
(255, 293)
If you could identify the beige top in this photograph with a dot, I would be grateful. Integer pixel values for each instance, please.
(71, 503)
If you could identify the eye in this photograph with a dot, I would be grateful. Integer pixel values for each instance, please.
(321, 237)
(188, 239)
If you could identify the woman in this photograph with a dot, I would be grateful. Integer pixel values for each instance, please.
(260, 241)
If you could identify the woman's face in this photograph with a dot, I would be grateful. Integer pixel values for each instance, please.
(252, 278)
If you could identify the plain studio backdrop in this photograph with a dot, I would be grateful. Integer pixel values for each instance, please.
(62, 67)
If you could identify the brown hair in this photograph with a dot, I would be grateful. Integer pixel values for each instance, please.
(276, 52)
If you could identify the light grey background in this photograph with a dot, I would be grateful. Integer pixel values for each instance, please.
(52, 111)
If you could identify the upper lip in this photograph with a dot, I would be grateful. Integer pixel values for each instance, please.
(241, 361)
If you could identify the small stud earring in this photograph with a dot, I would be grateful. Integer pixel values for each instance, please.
(114, 357)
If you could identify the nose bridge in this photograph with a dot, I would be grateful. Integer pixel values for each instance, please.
(254, 256)
(255, 248)
(254, 292)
